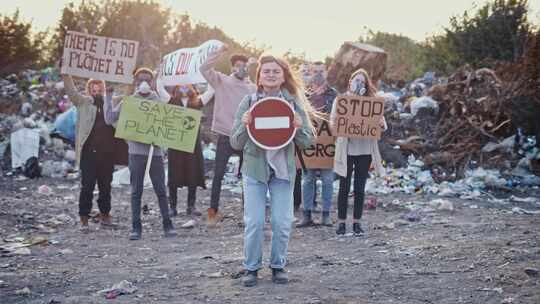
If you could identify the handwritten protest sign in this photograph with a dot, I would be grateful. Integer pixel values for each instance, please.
(182, 66)
(358, 116)
(159, 124)
(321, 154)
(99, 57)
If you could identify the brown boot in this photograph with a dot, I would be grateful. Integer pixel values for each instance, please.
(106, 219)
(214, 217)
(84, 224)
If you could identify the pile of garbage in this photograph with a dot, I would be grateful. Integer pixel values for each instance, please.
(37, 125)
(460, 123)
(414, 179)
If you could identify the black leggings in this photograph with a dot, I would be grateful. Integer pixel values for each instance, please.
(360, 164)
(173, 196)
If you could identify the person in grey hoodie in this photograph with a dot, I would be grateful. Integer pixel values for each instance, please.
(138, 156)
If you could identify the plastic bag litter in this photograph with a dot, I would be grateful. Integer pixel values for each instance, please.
(524, 199)
(24, 144)
(44, 189)
(209, 152)
(65, 124)
(122, 177)
(123, 288)
(442, 205)
(55, 169)
(424, 102)
(517, 210)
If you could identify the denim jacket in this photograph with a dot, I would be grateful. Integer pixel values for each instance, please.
(255, 164)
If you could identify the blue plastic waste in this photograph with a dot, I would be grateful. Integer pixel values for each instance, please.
(65, 124)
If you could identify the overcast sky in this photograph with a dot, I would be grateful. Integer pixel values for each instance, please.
(317, 28)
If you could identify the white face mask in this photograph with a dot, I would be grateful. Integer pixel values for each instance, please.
(144, 88)
(184, 100)
(358, 85)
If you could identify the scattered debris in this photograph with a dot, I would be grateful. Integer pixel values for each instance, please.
(123, 288)
(189, 224)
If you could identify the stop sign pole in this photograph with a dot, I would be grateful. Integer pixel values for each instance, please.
(272, 123)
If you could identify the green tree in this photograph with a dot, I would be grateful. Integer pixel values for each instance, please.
(406, 58)
(86, 18)
(143, 21)
(157, 29)
(20, 48)
(186, 34)
(496, 31)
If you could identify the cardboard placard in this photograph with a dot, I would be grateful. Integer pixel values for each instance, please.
(321, 154)
(97, 57)
(182, 66)
(358, 116)
(160, 124)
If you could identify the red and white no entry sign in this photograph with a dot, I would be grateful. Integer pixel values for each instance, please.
(272, 123)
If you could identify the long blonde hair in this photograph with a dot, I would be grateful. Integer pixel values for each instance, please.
(293, 85)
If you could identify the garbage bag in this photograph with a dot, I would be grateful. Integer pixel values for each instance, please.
(32, 168)
(65, 124)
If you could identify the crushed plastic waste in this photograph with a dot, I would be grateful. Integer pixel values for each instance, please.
(44, 189)
(123, 288)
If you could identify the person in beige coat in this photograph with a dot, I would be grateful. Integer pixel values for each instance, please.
(94, 148)
(355, 156)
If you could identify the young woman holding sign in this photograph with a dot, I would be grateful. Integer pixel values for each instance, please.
(187, 169)
(355, 155)
(270, 171)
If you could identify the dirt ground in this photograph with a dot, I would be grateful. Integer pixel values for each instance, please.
(478, 253)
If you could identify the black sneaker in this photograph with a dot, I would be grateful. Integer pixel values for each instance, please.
(135, 235)
(168, 230)
(250, 279)
(280, 276)
(357, 229)
(341, 229)
(193, 211)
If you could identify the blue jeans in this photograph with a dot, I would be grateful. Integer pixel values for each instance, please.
(281, 219)
(309, 187)
(137, 167)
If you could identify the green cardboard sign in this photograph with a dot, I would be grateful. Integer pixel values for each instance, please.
(159, 124)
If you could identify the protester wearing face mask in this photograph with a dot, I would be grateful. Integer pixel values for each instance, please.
(138, 156)
(355, 155)
(94, 146)
(321, 98)
(229, 91)
(270, 171)
(187, 169)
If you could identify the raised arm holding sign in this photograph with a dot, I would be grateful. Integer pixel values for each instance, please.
(183, 66)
